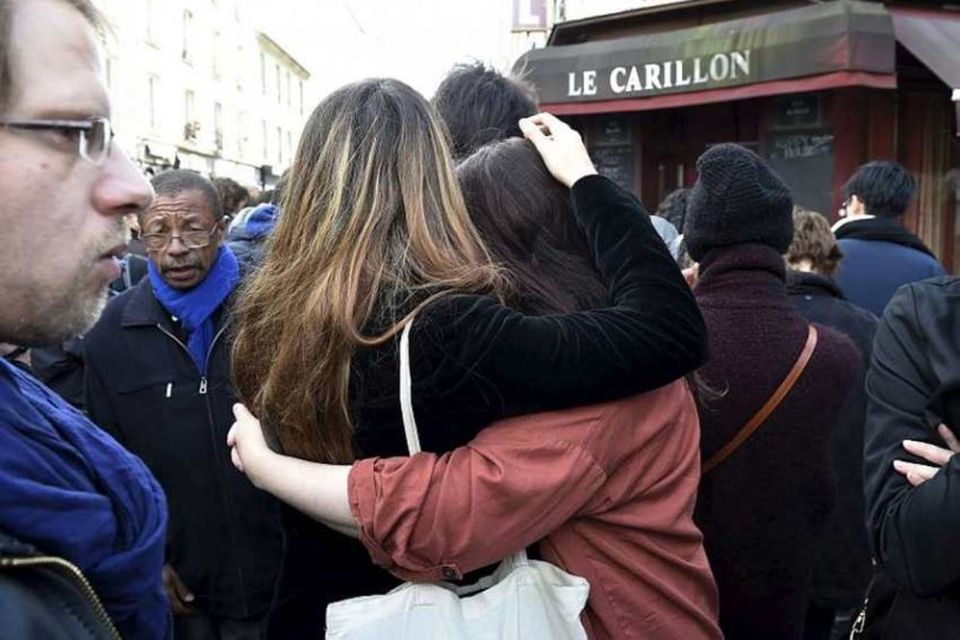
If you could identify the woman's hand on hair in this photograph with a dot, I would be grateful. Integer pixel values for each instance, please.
(917, 474)
(560, 147)
(248, 448)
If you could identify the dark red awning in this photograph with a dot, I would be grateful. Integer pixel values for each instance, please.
(934, 38)
(821, 46)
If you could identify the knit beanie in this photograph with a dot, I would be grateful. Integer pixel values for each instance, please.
(737, 199)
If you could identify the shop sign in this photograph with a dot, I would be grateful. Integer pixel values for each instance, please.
(657, 76)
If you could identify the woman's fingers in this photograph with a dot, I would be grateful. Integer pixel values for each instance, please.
(929, 452)
(916, 474)
(952, 442)
(560, 147)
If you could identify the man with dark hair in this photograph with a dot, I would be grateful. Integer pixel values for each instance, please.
(71, 499)
(480, 105)
(158, 379)
(880, 254)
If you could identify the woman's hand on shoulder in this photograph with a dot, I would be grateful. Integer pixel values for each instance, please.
(560, 147)
(249, 451)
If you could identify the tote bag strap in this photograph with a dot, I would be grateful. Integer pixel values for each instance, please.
(406, 393)
(410, 423)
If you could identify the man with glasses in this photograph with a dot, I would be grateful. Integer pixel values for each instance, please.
(158, 379)
(82, 521)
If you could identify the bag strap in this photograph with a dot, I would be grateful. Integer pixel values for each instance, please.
(769, 407)
(410, 424)
(406, 393)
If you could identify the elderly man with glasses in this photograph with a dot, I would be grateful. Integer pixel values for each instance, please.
(158, 379)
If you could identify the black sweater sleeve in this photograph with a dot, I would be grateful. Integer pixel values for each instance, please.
(498, 362)
(915, 531)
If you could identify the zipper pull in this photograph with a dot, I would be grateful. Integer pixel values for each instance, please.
(203, 386)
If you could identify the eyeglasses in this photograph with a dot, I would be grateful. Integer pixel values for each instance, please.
(94, 135)
(189, 239)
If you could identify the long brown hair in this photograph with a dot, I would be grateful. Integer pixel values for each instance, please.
(526, 219)
(372, 217)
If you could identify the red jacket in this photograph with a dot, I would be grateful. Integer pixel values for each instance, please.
(608, 490)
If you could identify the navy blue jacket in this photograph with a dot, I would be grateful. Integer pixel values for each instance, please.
(880, 256)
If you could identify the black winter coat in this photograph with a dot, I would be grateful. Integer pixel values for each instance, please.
(913, 385)
(761, 508)
(842, 570)
(224, 538)
(475, 361)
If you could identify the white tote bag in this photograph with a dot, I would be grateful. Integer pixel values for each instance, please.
(522, 600)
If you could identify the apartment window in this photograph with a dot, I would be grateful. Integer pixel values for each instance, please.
(289, 144)
(301, 97)
(263, 73)
(218, 126)
(189, 99)
(263, 140)
(187, 35)
(152, 93)
(279, 147)
(151, 19)
(279, 85)
(241, 132)
(108, 72)
(289, 92)
(215, 55)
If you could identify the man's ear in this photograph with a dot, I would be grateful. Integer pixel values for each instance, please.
(856, 205)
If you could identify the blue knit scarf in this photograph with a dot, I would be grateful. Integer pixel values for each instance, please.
(70, 490)
(194, 308)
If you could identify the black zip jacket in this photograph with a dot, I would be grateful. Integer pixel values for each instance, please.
(842, 568)
(912, 386)
(142, 386)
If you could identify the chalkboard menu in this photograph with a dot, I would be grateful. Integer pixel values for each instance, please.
(804, 160)
(612, 151)
(799, 110)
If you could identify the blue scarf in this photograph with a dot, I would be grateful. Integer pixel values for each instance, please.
(194, 308)
(70, 490)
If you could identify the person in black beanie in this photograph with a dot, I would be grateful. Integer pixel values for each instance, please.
(761, 506)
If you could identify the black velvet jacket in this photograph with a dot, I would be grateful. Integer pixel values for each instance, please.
(475, 361)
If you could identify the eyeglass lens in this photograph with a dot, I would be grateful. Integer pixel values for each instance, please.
(95, 141)
(189, 239)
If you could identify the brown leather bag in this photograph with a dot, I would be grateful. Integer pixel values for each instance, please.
(769, 407)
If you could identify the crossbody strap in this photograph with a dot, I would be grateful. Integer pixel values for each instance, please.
(771, 405)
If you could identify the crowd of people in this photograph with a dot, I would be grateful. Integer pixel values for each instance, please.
(729, 418)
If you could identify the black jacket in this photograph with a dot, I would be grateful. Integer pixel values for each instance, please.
(142, 386)
(842, 568)
(47, 598)
(475, 361)
(912, 386)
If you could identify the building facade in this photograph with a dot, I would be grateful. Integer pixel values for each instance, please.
(195, 85)
(816, 89)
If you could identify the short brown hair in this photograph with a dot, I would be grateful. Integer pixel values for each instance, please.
(813, 240)
(85, 7)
